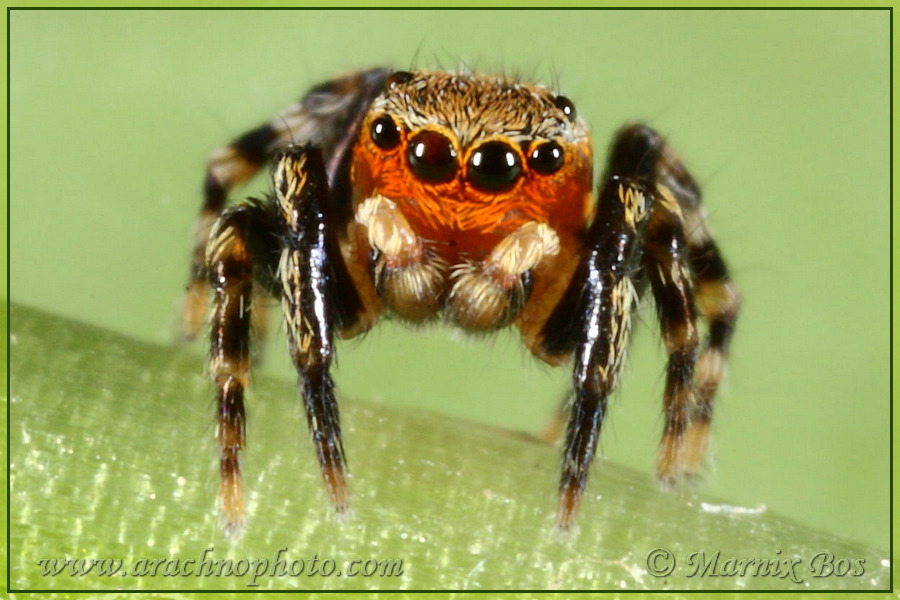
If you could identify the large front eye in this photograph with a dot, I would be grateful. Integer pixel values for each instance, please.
(385, 133)
(432, 156)
(494, 166)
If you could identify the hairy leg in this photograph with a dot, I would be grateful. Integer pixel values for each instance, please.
(329, 115)
(231, 259)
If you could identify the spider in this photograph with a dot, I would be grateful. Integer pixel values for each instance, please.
(465, 197)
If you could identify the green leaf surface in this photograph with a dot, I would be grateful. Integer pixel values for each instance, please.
(113, 457)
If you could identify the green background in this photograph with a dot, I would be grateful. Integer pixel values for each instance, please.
(783, 117)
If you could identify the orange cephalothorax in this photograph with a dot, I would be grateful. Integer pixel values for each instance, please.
(468, 159)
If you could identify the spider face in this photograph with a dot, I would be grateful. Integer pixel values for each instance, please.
(470, 158)
(466, 197)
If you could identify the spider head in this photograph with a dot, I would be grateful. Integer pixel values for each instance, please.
(474, 153)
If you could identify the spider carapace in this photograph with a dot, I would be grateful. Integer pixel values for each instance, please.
(458, 196)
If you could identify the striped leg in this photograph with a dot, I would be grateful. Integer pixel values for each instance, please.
(328, 115)
(228, 167)
(718, 301)
(230, 263)
(307, 265)
(717, 298)
(605, 297)
(666, 266)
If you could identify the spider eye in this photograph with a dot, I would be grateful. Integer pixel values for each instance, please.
(494, 166)
(546, 158)
(398, 77)
(432, 156)
(565, 105)
(385, 133)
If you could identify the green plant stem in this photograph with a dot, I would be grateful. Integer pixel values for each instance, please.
(113, 456)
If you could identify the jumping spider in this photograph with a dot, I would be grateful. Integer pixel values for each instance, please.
(430, 194)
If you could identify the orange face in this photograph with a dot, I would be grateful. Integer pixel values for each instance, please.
(469, 159)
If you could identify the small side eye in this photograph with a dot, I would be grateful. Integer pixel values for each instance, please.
(385, 133)
(565, 105)
(546, 158)
(397, 78)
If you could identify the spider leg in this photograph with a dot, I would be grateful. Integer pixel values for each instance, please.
(310, 265)
(716, 296)
(718, 302)
(228, 167)
(239, 249)
(601, 298)
(641, 169)
(329, 115)
(666, 266)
